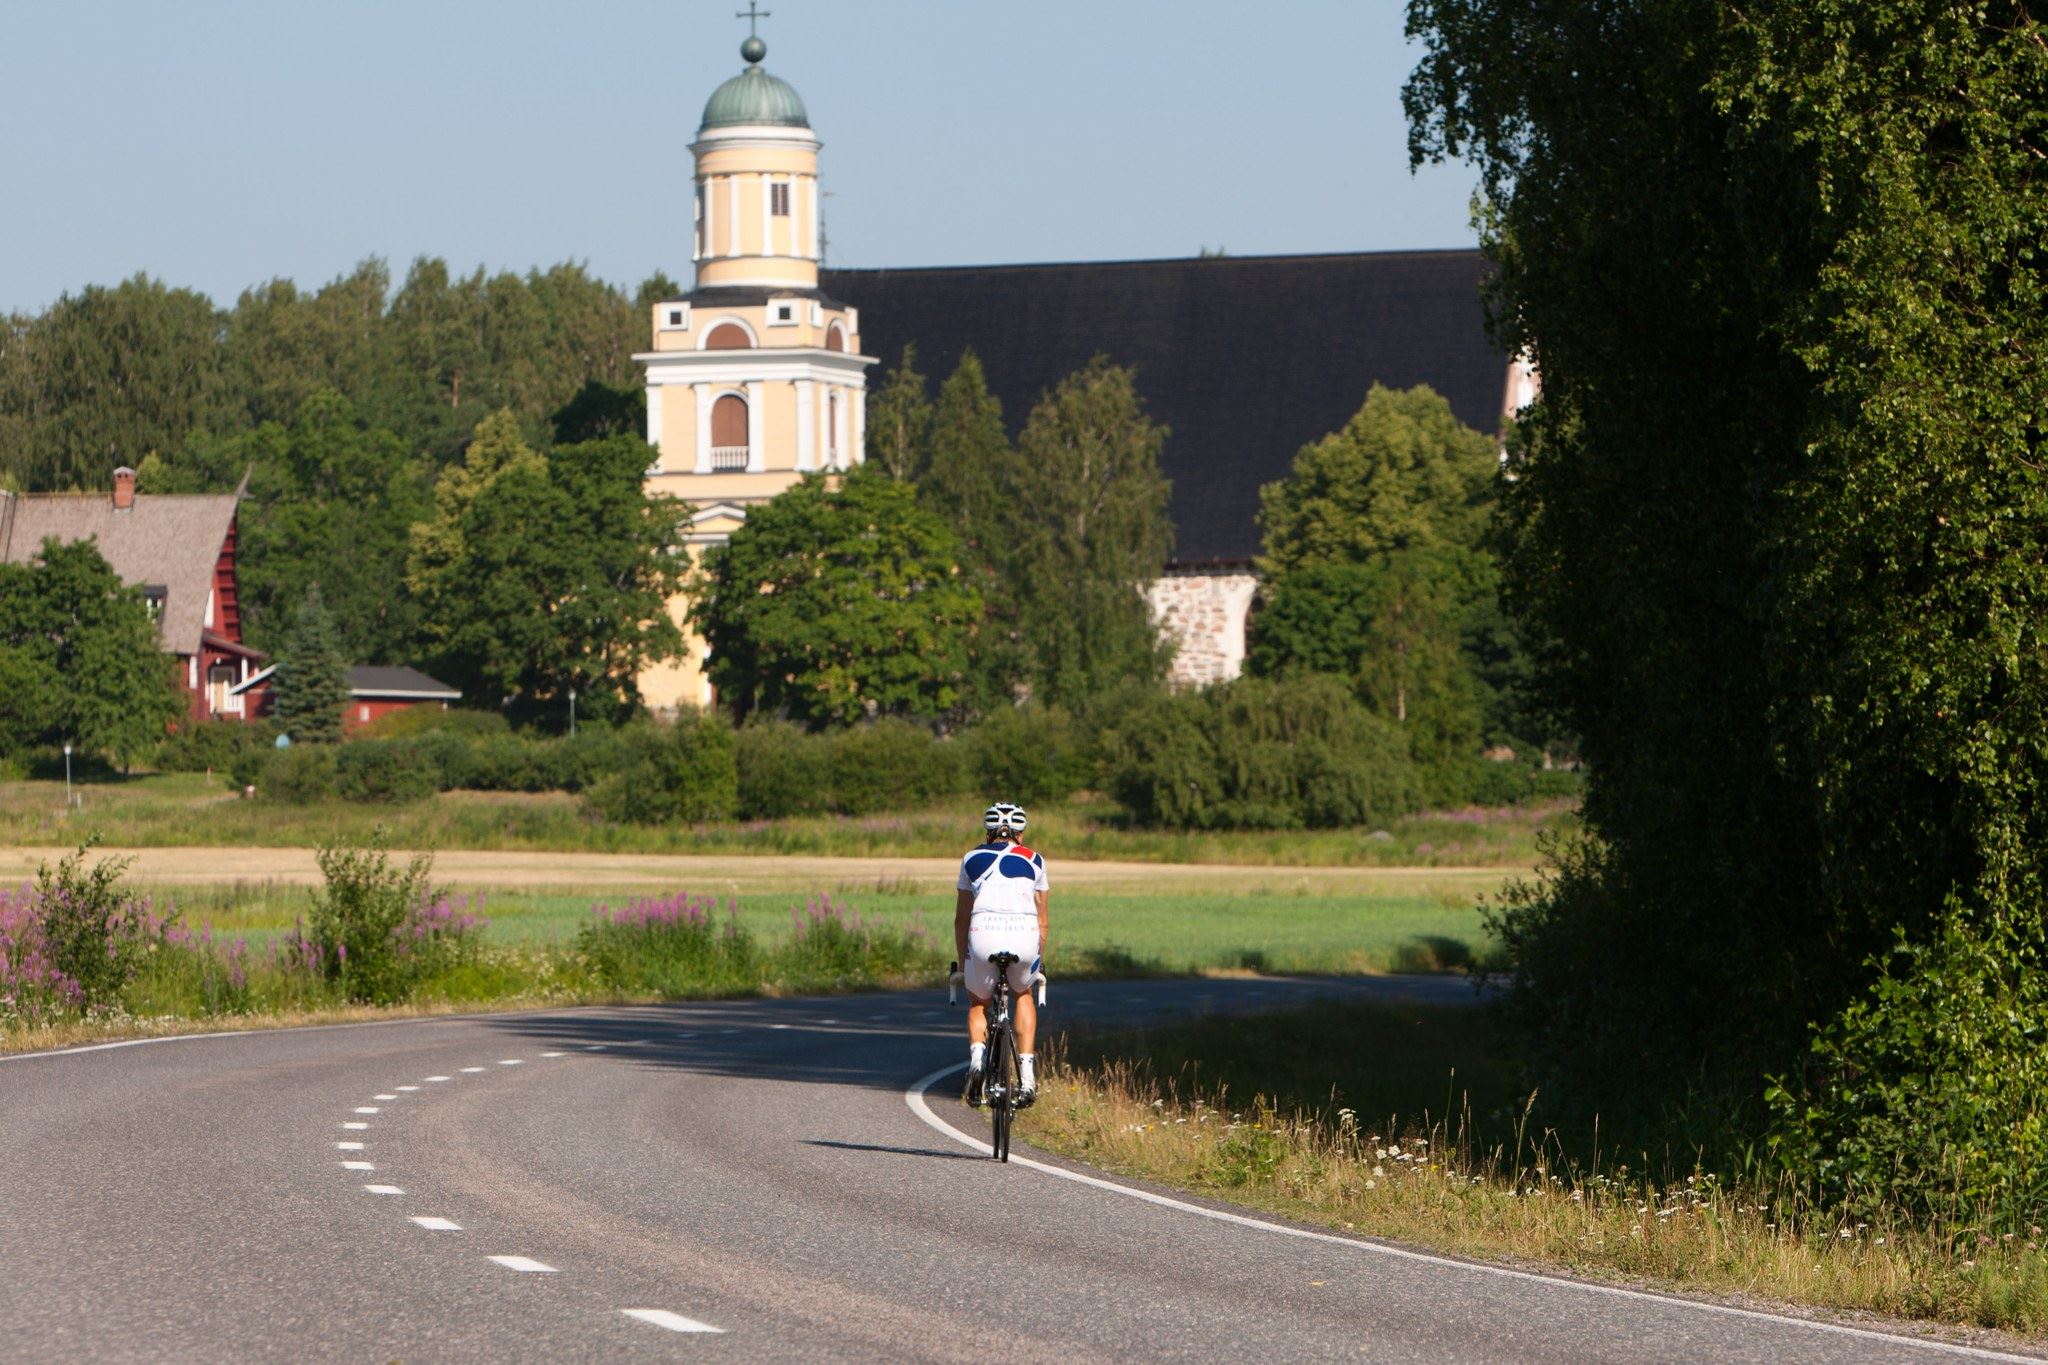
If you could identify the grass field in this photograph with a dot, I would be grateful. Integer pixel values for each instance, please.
(1110, 921)
(195, 810)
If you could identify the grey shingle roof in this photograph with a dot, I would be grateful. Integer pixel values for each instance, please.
(1247, 358)
(377, 680)
(172, 541)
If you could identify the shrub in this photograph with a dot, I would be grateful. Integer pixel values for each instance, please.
(376, 929)
(888, 764)
(783, 771)
(424, 720)
(213, 746)
(1259, 754)
(668, 945)
(1925, 1094)
(1026, 754)
(73, 940)
(300, 775)
(832, 948)
(386, 770)
(680, 774)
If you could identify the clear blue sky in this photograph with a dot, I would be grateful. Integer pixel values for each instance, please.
(221, 143)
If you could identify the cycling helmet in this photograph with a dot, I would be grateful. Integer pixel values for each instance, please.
(1002, 815)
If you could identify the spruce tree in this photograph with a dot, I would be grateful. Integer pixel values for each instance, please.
(312, 675)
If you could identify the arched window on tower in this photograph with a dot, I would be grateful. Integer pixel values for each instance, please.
(835, 338)
(729, 432)
(728, 336)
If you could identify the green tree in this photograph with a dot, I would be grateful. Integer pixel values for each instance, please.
(832, 604)
(539, 573)
(334, 502)
(1081, 528)
(311, 681)
(899, 430)
(106, 377)
(1375, 569)
(1775, 525)
(86, 647)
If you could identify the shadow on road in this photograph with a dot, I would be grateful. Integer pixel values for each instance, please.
(883, 1041)
(898, 1151)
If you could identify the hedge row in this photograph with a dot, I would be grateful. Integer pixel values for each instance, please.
(1253, 754)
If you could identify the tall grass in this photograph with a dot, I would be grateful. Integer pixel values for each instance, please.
(1401, 1123)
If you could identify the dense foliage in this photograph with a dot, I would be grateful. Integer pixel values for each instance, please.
(1377, 571)
(79, 658)
(837, 600)
(1776, 525)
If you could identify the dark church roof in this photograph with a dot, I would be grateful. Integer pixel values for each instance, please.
(1247, 358)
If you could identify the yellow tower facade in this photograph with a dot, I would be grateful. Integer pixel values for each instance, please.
(755, 377)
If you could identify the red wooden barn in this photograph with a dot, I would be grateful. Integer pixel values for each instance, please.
(179, 549)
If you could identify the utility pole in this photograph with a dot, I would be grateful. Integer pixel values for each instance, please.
(67, 777)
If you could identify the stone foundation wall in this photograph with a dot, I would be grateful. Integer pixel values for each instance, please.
(1205, 613)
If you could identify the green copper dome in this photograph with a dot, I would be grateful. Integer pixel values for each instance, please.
(755, 98)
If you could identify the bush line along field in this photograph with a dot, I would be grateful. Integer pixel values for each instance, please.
(1416, 1129)
(193, 809)
(264, 951)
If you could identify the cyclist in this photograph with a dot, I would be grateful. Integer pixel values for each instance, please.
(1001, 908)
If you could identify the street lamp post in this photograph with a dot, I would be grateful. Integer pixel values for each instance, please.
(572, 713)
(67, 779)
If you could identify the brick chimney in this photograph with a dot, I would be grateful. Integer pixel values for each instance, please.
(124, 489)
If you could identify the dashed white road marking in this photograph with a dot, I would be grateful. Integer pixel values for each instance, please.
(636, 1042)
(525, 1263)
(471, 1070)
(382, 1189)
(675, 1322)
(368, 1109)
(512, 1061)
(550, 1054)
(350, 1146)
(404, 1088)
(728, 1030)
(358, 1127)
(436, 1224)
(593, 1047)
(357, 1166)
(432, 1079)
(778, 1026)
(383, 1097)
(914, 1097)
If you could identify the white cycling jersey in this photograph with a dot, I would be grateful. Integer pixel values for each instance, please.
(1005, 880)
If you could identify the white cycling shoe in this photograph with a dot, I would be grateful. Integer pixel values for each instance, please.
(972, 1093)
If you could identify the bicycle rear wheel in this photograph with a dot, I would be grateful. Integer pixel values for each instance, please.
(1001, 1089)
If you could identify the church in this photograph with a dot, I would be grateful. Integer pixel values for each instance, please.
(759, 375)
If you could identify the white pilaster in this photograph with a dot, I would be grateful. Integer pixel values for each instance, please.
(703, 396)
(767, 215)
(697, 223)
(811, 194)
(806, 424)
(860, 426)
(757, 418)
(732, 207)
(654, 421)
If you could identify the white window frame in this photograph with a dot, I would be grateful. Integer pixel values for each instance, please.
(817, 314)
(675, 317)
(783, 313)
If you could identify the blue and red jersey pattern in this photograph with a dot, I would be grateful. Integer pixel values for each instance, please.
(1004, 878)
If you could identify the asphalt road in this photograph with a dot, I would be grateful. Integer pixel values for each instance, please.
(749, 1180)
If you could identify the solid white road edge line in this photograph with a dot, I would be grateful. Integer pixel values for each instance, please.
(525, 1263)
(914, 1097)
(675, 1322)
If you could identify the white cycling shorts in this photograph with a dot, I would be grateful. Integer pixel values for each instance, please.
(988, 935)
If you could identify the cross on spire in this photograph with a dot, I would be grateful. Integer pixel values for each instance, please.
(753, 14)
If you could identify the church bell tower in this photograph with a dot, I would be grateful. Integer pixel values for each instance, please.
(755, 377)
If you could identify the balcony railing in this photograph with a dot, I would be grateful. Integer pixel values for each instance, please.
(728, 457)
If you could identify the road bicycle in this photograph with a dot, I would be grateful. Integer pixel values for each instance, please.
(999, 1083)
